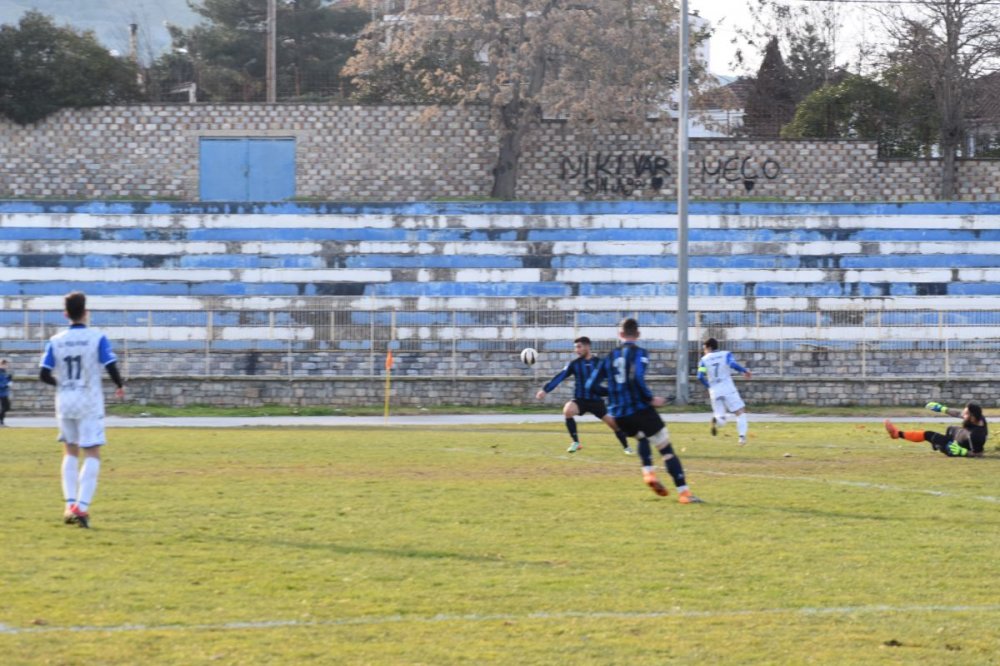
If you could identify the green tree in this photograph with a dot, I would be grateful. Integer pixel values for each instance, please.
(47, 68)
(855, 108)
(810, 61)
(916, 130)
(225, 56)
(771, 102)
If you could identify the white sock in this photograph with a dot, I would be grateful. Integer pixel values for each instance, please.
(648, 468)
(70, 467)
(741, 425)
(720, 420)
(88, 482)
(681, 489)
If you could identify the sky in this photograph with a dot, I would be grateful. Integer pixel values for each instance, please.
(109, 18)
(726, 15)
(723, 15)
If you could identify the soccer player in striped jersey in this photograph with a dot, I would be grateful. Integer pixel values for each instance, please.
(632, 403)
(966, 440)
(584, 399)
(77, 357)
(6, 380)
(715, 371)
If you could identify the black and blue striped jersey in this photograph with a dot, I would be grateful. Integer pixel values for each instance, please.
(581, 369)
(6, 379)
(625, 371)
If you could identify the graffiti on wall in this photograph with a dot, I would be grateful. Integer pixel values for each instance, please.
(612, 173)
(739, 168)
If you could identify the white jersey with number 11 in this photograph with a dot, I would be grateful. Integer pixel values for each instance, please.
(77, 358)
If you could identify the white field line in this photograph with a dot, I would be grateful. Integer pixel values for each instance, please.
(769, 477)
(676, 613)
(852, 484)
(555, 615)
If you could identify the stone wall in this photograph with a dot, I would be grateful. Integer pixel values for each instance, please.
(395, 153)
(342, 152)
(346, 392)
(793, 364)
(345, 380)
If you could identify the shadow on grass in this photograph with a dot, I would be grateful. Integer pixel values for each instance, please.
(843, 515)
(806, 512)
(347, 549)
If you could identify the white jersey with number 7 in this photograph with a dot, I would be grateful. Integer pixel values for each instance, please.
(717, 369)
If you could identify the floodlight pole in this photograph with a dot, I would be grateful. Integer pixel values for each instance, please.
(272, 51)
(682, 209)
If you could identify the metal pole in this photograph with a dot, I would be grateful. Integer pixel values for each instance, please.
(272, 43)
(682, 210)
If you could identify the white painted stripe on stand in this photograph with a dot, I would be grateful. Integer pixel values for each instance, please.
(586, 304)
(504, 275)
(255, 275)
(204, 221)
(117, 248)
(811, 220)
(787, 276)
(498, 248)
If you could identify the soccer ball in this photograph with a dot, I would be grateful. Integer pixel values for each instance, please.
(529, 356)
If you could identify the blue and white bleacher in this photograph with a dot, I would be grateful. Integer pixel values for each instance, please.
(178, 267)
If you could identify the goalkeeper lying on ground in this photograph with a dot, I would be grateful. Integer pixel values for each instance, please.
(968, 439)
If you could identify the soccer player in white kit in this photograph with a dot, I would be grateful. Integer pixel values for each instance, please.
(715, 371)
(76, 357)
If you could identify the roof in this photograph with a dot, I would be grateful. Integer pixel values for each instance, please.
(732, 95)
(984, 105)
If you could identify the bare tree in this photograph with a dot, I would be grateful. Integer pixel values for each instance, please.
(807, 32)
(949, 44)
(585, 61)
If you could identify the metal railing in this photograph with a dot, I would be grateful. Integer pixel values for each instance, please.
(338, 337)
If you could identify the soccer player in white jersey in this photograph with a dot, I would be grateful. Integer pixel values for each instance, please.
(715, 371)
(75, 357)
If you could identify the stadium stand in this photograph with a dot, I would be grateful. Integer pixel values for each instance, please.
(175, 274)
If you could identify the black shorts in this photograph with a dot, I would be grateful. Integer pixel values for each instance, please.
(647, 421)
(595, 407)
(954, 434)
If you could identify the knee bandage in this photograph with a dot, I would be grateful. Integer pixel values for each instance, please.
(660, 440)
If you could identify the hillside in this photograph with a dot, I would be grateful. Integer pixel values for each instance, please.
(109, 19)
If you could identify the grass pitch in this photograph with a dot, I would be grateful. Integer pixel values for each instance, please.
(819, 543)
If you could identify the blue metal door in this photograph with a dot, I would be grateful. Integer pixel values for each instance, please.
(245, 169)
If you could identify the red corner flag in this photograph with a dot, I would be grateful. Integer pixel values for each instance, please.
(388, 360)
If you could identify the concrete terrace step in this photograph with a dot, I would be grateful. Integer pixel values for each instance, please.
(468, 260)
(717, 276)
(566, 249)
(288, 234)
(202, 283)
(611, 215)
(555, 257)
(527, 318)
(49, 300)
